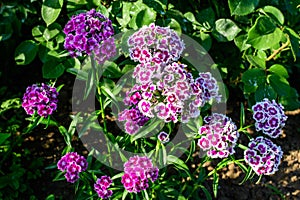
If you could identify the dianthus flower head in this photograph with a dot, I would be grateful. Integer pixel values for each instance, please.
(156, 44)
(40, 98)
(101, 187)
(269, 117)
(163, 137)
(137, 172)
(218, 136)
(263, 156)
(85, 32)
(73, 164)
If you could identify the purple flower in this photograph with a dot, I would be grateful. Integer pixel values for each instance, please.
(73, 164)
(137, 172)
(156, 44)
(263, 156)
(269, 117)
(101, 187)
(85, 32)
(163, 137)
(41, 99)
(218, 136)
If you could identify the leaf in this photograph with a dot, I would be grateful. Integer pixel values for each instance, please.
(51, 10)
(52, 69)
(146, 129)
(265, 91)
(3, 137)
(215, 184)
(51, 31)
(26, 52)
(279, 70)
(173, 24)
(274, 13)
(240, 42)
(206, 17)
(294, 39)
(190, 16)
(280, 84)
(290, 102)
(256, 61)
(253, 78)
(225, 30)
(145, 17)
(112, 70)
(242, 7)
(37, 33)
(264, 34)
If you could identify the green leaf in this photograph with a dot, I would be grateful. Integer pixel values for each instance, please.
(274, 13)
(279, 70)
(177, 162)
(290, 102)
(50, 197)
(264, 34)
(294, 39)
(145, 17)
(240, 42)
(174, 24)
(280, 84)
(256, 61)
(265, 91)
(190, 16)
(52, 31)
(242, 7)
(3, 137)
(112, 70)
(225, 30)
(52, 69)
(37, 33)
(253, 78)
(215, 184)
(206, 17)
(51, 10)
(102, 9)
(154, 125)
(26, 52)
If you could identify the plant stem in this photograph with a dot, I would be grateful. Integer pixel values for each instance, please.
(277, 51)
(102, 109)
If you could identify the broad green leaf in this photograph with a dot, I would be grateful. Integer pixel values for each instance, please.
(52, 31)
(190, 16)
(37, 33)
(205, 40)
(264, 34)
(294, 39)
(173, 24)
(225, 30)
(256, 61)
(6, 31)
(242, 7)
(26, 52)
(206, 17)
(51, 10)
(3, 137)
(102, 9)
(290, 102)
(240, 42)
(52, 69)
(274, 13)
(145, 17)
(279, 84)
(112, 70)
(253, 78)
(265, 91)
(279, 70)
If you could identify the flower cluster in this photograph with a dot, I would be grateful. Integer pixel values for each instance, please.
(263, 156)
(101, 187)
(137, 172)
(105, 51)
(73, 164)
(218, 136)
(155, 44)
(41, 99)
(269, 117)
(85, 32)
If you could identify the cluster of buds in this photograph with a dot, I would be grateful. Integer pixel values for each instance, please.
(155, 44)
(137, 172)
(218, 136)
(41, 99)
(263, 156)
(85, 32)
(101, 187)
(73, 164)
(269, 117)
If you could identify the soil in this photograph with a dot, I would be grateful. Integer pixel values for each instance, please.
(285, 184)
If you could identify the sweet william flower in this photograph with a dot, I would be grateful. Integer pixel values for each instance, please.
(101, 187)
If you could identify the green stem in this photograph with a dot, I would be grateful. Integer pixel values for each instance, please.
(102, 109)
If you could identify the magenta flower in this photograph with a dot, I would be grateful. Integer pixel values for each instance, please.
(263, 156)
(101, 187)
(41, 99)
(85, 32)
(163, 137)
(137, 172)
(218, 136)
(73, 164)
(269, 117)
(155, 44)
